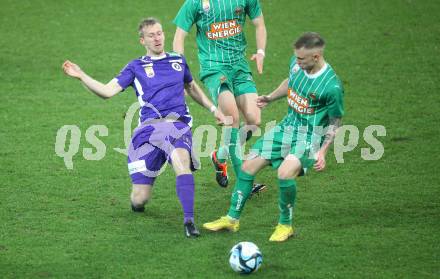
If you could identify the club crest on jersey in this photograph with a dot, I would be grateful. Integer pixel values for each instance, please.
(176, 66)
(206, 6)
(295, 69)
(187, 140)
(149, 70)
(238, 11)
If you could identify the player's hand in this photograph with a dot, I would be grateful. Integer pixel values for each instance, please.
(262, 101)
(71, 69)
(221, 119)
(320, 161)
(259, 59)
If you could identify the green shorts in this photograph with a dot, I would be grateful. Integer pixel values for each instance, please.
(281, 141)
(236, 78)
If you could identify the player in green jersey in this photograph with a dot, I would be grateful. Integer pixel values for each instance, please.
(223, 66)
(301, 140)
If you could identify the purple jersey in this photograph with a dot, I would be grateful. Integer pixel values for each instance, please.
(158, 83)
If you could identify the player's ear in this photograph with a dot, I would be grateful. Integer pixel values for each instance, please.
(316, 56)
(141, 40)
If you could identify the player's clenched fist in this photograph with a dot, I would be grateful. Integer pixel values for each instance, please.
(71, 69)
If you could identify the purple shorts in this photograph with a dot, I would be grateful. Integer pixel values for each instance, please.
(151, 146)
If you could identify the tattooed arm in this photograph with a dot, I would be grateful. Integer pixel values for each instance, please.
(335, 123)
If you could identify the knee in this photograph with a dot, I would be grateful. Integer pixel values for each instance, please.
(247, 168)
(140, 197)
(232, 114)
(235, 118)
(290, 168)
(181, 163)
(254, 121)
(285, 174)
(253, 118)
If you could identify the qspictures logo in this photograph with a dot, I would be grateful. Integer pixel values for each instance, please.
(204, 140)
(222, 30)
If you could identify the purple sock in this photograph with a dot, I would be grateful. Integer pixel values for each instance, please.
(185, 192)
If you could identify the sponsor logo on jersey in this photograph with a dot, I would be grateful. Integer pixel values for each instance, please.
(176, 60)
(224, 29)
(176, 66)
(137, 166)
(149, 70)
(206, 6)
(298, 103)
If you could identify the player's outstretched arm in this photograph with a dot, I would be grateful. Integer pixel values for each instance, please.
(196, 93)
(104, 91)
(261, 38)
(334, 124)
(179, 40)
(278, 93)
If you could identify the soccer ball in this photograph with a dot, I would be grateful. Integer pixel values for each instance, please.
(245, 257)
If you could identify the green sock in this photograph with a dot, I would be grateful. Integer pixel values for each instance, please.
(242, 190)
(223, 150)
(245, 135)
(222, 154)
(235, 151)
(286, 200)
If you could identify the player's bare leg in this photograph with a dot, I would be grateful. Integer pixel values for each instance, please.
(181, 161)
(254, 165)
(290, 168)
(228, 105)
(140, 195)
(247, 104)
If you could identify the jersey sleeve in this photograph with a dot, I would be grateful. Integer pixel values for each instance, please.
(335, 101)
(253, 9)
(126, 76)
(187, 76)
(187, 14)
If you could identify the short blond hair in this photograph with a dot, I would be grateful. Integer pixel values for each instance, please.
(146, 22)
(310, 40)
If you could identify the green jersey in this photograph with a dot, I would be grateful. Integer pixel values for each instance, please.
(220, 25)
(313, 99)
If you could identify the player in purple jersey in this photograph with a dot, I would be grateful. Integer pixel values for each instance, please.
(164, 132)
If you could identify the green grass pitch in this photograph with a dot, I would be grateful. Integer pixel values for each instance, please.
(360, 219)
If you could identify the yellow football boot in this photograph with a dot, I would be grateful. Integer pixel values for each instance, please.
(224, 223)
(281, 233)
